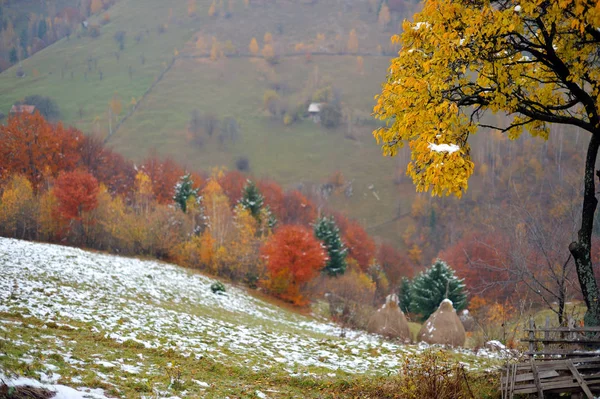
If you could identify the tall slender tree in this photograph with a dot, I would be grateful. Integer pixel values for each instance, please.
(537, 62)
(327, 231)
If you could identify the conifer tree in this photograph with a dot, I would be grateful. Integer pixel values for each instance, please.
(327, 231)
(183, 191)
(434, 285)
(269, 217)
(405, 299)
(13, 56)
(252, 199)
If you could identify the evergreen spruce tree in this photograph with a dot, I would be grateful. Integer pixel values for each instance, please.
(252, 200)
(13, 56)
(183, 191)
(434, 285)
(42, 29)
(270, 218)
(404, 296)
(327, 231)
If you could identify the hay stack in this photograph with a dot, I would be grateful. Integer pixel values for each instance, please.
(389, 321)
(443, 327)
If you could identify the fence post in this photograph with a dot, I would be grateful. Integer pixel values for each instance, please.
(546, 333)
(531, 337)
(571, 324)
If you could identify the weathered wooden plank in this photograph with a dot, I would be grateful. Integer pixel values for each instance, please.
(558, 382)
(576, 341)
(531, 388)
(511, 392)
(564, 329)
(536, 379)
(573, 359)
(529, 376)
(560, 378)
(563, 352)
(580, 380)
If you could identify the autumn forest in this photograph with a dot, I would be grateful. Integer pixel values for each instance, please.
(341, 173)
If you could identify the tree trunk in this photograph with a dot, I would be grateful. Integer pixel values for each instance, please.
(581, 249)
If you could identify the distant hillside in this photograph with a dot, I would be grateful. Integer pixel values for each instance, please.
(141, 70)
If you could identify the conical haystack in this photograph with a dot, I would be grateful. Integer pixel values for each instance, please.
(443, 327)
(389, 321)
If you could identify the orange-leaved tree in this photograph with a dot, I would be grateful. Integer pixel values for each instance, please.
(395, 264)
(233, 183)
(361, 247)
(77, 192)
(293, 257)
(297, 209)
(36, 148)
(273, 195)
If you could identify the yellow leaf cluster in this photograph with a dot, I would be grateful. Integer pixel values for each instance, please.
(458, 53)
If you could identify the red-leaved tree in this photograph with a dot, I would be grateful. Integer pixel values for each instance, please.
(31, 146)
(293, 257)
(361, 247)
(297, 209)
(395, 264)
(483, 261)
(110, 168)
(233, 183)
(273, 195)
(164, 175)
(77, 192)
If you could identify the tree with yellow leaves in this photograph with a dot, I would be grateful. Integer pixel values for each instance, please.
(253, 47)
(215, 52)
(143, 193)
(268, 53)
(268, 38)
(360, 65)
(192, 7)
(217, 212)
(207, 248)
(18, 208)
(212, 10)
(384, 17)
(352, 42)
(535, 62)
(49, 226)
(96, 6)
(240, 261)
(115, 105)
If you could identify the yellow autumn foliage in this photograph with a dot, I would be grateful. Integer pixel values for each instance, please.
(459, 59)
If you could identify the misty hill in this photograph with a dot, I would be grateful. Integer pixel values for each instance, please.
(148, 65)
(148, 73)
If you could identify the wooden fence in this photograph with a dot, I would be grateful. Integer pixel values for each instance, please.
(561, 360)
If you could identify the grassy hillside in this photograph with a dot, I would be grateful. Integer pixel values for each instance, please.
(83, 74)
(138, 328)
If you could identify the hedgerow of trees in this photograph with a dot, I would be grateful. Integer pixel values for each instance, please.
(58, 185)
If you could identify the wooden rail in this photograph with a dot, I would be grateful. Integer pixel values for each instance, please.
(561, 360)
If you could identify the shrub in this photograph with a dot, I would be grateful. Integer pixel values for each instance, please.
(45, 105)
(94, 31)
(433, 374)
(242, 164)
(331, 115)
(217, 287)
(120, 39)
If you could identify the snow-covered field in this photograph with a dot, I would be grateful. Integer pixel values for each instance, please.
(152, 307)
